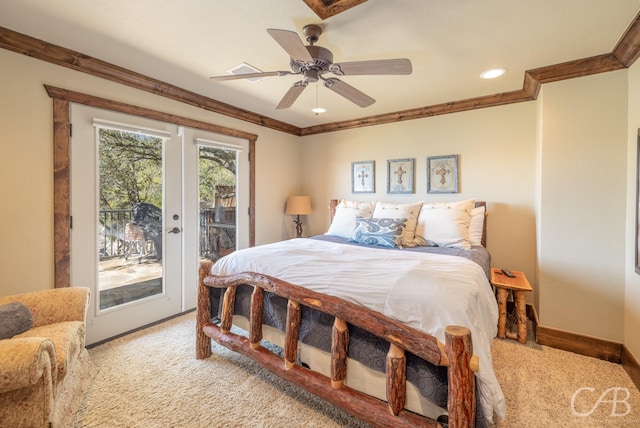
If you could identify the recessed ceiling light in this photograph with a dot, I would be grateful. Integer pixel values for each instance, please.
(493, 73)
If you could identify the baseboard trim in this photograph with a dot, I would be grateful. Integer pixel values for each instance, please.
(579, 344)
(631, 365)
(588, 346)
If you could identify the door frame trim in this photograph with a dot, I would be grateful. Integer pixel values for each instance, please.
(62, 166)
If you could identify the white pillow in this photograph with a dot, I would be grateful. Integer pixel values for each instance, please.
(409, 211)
(476, 225)
(344, 220)
(446, 224)
(465, 205)
(365, 207)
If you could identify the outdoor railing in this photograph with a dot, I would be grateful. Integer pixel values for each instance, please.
(111, 238)
(217, 233)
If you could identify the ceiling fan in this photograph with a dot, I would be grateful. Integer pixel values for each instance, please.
(312, 62)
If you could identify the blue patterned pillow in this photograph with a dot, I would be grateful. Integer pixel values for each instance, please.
(386, 232)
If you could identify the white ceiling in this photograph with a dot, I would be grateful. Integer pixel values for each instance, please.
(449, 42)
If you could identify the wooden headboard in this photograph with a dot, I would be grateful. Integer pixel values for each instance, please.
(333, 203)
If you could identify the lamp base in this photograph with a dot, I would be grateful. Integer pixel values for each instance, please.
(298, 223)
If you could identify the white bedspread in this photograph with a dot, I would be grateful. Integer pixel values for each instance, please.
(425, 291)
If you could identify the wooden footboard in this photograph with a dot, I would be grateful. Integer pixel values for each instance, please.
(456, 353)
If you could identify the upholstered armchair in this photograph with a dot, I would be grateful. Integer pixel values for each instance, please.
(45, 370)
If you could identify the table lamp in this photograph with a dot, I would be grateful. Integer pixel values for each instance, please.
(298, 205)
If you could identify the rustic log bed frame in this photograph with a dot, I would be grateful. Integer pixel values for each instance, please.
(456, 353)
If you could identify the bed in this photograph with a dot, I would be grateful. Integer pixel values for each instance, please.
(389, 315)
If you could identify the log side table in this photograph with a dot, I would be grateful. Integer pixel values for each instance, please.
(519, 286)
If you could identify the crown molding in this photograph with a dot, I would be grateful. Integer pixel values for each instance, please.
(625, 53)
(42, 50)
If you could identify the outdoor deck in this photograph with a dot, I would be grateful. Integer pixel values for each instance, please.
(123, 281)
(129, 264)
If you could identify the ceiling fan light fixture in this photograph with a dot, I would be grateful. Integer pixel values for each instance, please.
(317, 109)
(493, 73)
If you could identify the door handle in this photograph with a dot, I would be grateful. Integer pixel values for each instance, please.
(175, 230)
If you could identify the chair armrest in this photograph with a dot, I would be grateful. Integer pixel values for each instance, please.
(24, 360)
(54, 305)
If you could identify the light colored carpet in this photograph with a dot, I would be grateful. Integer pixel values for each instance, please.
(546, 387)
(151, 378)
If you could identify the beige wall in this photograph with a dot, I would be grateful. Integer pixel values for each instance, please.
(555, 172)
(26, 175)
(632, 289)
(550, 158)
(496, 149)
(582, 198)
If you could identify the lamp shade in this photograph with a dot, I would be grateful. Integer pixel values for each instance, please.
(298, 205)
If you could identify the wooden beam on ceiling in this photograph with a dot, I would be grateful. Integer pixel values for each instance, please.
(328, 8)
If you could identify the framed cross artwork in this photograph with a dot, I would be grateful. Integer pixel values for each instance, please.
(400, 176)
(363, 177)
(442, 174)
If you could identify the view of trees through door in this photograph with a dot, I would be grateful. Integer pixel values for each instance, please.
(148, 200)
(130, 212)
(217, 189)
(130, 216)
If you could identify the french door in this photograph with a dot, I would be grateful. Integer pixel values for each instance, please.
(144, 212)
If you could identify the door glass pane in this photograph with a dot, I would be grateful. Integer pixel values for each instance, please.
(130, 216)
(217, 188)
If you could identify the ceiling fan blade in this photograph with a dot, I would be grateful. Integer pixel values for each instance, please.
(250, 75)
(292, 95)
(372, 67)
(291, 42)
(349, 92)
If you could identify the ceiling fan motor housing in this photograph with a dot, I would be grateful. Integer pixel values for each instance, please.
(322, 59)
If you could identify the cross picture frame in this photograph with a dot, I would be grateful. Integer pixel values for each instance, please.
(442, 174)
(400, 176)
(363, 177)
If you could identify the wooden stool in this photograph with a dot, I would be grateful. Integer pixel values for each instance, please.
(519, 286)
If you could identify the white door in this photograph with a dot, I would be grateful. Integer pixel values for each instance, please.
(126, 210)
(145, 212)
(221, 213)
